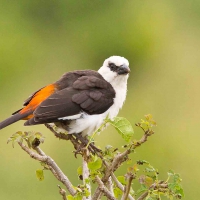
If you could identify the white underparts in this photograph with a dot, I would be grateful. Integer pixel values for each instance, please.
(71, 117)
(87, 124)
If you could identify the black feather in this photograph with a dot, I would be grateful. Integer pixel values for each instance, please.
(12, 119)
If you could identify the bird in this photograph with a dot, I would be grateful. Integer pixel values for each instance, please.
(80, 100)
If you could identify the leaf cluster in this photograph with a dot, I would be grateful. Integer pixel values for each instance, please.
(33, 139)
(153, 187)
(103, 163)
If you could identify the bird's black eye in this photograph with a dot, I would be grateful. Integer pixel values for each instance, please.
(112, 67)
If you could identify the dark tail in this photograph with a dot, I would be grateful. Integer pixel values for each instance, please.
(12, 119)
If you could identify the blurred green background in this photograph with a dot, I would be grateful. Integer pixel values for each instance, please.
(40, 40)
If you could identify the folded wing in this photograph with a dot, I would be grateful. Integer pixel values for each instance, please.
(89, 93)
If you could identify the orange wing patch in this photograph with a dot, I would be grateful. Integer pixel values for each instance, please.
(38, 98)
(28, 117)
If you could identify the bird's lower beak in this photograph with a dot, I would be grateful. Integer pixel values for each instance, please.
(124, 69)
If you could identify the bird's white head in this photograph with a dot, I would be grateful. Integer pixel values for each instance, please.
(115, 67)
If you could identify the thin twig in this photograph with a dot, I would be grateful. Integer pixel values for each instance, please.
(51, 163)
(120, 186)
(100, 195)
(154, 186)
(40, 152)
(86, 173)
(118, 159)
(110, 186)
(143, 196)
(103, 189)
(58, 135)
(62, 192)
(143, 139)
(129, 177)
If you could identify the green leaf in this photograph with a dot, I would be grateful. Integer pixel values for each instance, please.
(70, 197)
(123, 127)
(122, 180)
(148, 198)
(147, 124)
(33, 139)
(149, 118)
(170, 173)
(16, 137)
(44, 165)
(76, 197)
(108, 150)
(79, 197)
(86, 191)
(40, 174)
(87, 181)
(117, 192)
(80, 170)
(95, 164)
(141, 162)
(143, 188)
(181, 192)
(135, 168)
(149, 169)
(148, 181)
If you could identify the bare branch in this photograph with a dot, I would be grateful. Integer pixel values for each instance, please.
(86, 173)
(142, 140)
(58, 135)
(129, 177)
(39, 151)
(97, 197)
(120, 186)
(51, 163)
(143, 196)
(110, 186)
(103, 189)
(62, 192)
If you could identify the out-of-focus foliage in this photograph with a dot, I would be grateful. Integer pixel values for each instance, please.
(40, 40)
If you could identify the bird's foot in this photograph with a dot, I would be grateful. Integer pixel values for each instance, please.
(91, 147)
(96, 149)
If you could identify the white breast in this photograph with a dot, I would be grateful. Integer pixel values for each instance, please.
(89, 123)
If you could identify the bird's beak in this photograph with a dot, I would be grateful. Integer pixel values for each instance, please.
(123, 69)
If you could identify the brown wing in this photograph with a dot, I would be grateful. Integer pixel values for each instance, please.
(89, 93)
(94, 95)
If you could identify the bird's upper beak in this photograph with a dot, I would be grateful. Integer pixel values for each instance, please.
(123, 69)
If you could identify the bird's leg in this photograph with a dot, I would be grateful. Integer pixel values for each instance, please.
(82, 139)
(95, 148)
(77, 145)
(85, 141)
